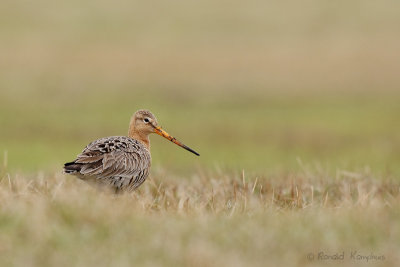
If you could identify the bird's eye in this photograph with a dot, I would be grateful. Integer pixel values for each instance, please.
(146, 120)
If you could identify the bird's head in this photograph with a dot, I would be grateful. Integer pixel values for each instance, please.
(143, 123)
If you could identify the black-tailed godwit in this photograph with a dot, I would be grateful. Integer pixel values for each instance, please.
(121, 163)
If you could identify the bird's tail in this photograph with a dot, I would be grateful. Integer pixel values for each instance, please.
(72, 167)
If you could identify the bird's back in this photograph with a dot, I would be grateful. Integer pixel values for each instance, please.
(119, 162)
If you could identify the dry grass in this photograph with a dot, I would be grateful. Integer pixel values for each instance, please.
(210, 219)
(221, 193)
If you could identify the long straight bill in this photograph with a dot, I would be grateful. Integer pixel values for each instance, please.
(164, 134)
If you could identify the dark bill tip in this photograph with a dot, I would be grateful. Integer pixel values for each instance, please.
(191, 150)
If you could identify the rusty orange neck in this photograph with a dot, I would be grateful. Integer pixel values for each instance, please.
(144, 138)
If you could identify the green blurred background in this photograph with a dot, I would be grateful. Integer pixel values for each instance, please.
(252, 85)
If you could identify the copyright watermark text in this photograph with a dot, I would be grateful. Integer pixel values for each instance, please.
(353, 255)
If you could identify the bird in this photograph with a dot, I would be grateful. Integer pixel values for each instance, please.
(120, 163)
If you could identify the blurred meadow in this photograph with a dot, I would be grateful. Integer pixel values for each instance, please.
(275, 89)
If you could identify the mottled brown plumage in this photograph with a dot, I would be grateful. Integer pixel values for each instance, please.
(119, 162)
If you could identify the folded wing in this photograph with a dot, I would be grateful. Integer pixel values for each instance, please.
(118, 160)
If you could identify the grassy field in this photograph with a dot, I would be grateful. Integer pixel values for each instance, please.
(293, 107)
(208, 219)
